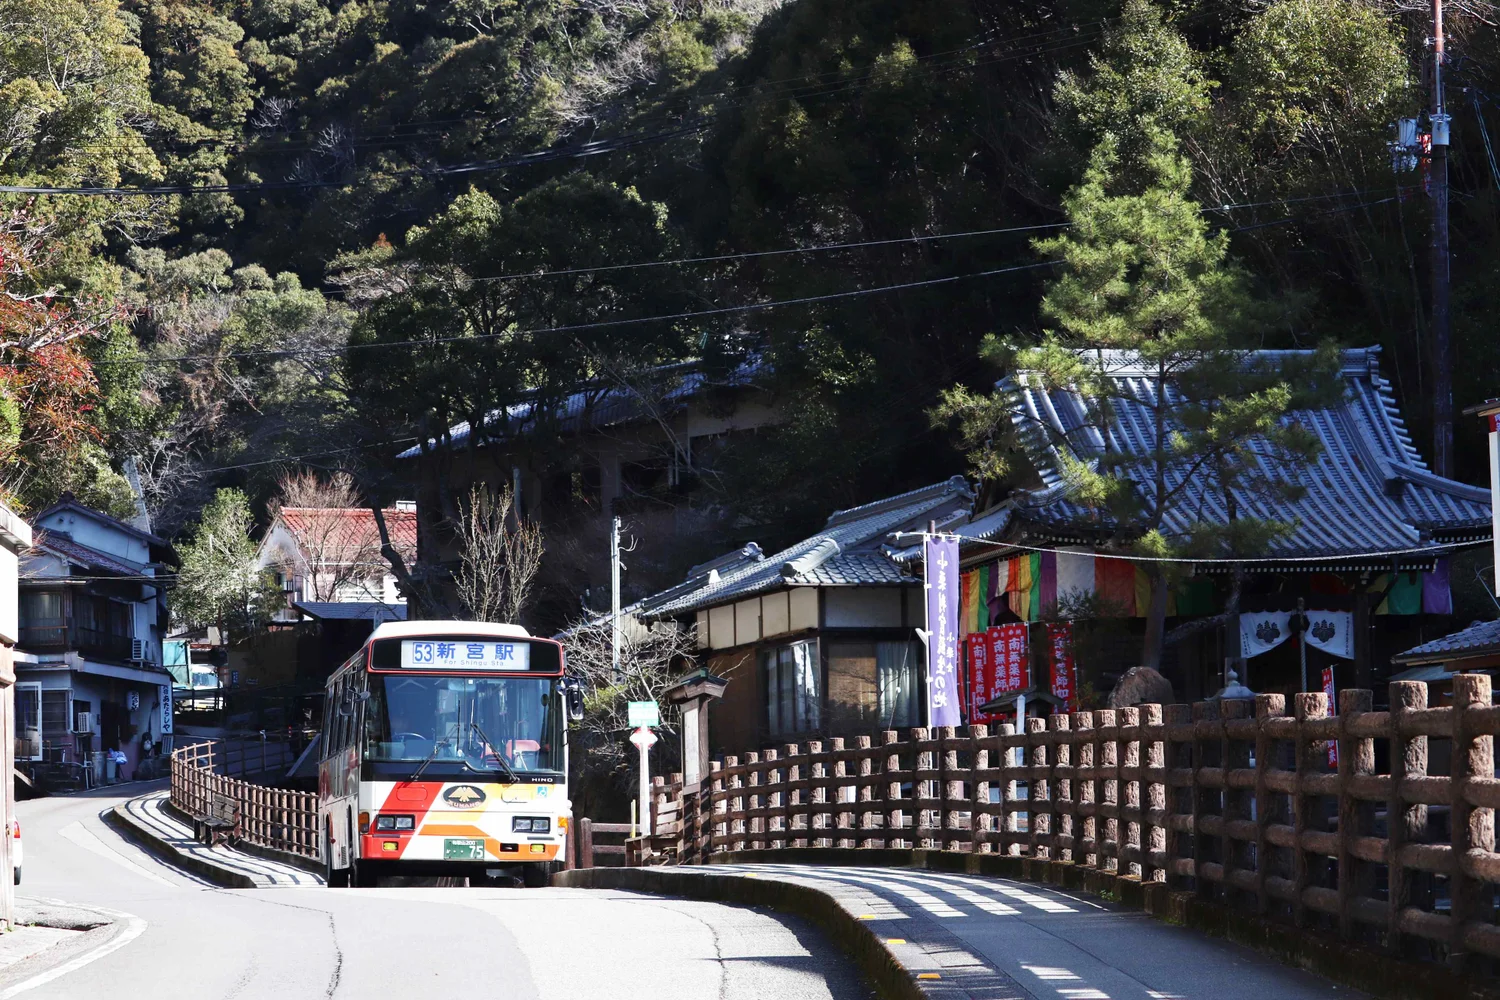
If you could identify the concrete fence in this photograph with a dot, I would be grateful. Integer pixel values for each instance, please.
(1241, 803)
(276, 818)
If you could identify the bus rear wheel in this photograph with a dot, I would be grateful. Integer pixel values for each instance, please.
(336, 878)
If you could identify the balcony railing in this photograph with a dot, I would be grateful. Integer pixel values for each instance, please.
(98, 642)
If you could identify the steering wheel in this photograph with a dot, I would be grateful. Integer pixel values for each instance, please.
(403, 737)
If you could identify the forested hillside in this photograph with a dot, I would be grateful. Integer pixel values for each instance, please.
(382, 216)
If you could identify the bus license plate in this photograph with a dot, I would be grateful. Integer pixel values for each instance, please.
(456, 849)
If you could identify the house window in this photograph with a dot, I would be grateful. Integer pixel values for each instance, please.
(55, 722)
(874, 685)
(42, 609)
(898, 672)
(792, 678)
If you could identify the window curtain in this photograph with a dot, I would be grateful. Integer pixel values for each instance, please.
(794, 697)
(897, 671)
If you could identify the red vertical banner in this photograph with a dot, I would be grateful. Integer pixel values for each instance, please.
(1064, 680)
(1333, 745)
(981, 676)
(1012, 662)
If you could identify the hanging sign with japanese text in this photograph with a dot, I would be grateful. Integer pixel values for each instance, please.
(983, 681)
(1012, 659)
(1333, 746)
(940, 567)
(1064, 682)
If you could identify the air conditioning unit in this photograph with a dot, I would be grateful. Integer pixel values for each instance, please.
(138, 650)
(83, 722)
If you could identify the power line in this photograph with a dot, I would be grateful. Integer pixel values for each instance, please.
(723, 310)
(595, 325)
(769, 253)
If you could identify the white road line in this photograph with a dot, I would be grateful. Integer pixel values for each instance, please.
(131, 928)
(82, 837)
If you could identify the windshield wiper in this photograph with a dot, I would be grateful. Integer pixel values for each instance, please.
(431, 755)
(510, 772)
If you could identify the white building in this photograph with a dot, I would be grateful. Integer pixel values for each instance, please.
(15, 537)
(331, 555)
(89, 673)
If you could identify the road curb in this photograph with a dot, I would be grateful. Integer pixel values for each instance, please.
(120, 820)
(1343, 962)
(892, 980)
(245, 847)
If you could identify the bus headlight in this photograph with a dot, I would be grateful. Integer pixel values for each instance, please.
(395, 822)
(531, 824)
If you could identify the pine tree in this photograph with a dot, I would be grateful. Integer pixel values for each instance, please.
(1144, 274)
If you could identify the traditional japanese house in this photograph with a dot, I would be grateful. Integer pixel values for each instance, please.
(819, 639)
(1364, 556)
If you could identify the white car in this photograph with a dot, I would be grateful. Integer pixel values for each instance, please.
(15, 848)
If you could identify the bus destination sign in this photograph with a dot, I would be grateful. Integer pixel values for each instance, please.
(465, 654)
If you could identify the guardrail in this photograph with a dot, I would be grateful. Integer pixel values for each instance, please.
(590, 852)
(277, 818)
(1236, 801)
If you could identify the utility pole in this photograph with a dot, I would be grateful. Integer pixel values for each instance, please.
(1442, 339)
(614, 597)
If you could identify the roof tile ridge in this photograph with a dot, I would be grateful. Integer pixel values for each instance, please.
(938, 491)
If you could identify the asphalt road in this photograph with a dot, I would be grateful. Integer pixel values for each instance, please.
(177, 938)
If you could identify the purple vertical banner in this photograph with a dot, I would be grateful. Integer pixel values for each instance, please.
(940, 566)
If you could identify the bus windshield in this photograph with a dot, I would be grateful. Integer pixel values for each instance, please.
(488, 724)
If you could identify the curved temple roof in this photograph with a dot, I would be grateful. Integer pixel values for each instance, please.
(1368, 491)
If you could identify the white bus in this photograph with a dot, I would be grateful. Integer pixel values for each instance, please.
(444, 752)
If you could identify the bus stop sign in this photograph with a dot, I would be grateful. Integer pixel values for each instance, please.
(643, 738)
(643, 713)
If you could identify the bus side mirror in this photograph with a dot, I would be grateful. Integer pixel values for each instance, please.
(573, 693)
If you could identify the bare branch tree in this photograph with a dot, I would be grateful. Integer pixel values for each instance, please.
(337, 544)
(499, 557)
(651, 658)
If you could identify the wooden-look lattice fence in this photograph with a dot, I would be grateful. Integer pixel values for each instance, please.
(1239, 802)
(277, 818)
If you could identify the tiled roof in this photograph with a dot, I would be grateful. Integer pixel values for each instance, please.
(1368, 490)
(342, 535)
(351, 610)
(846, 552)
(81, 555)
(1479, 639)
(602, 405)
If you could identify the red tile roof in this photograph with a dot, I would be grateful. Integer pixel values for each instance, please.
(345, 533)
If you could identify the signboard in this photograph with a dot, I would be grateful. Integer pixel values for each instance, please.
(1064, 678)
(1012, 658)
(982, 680)
(643, 713)
(643, 738)
(165, 701)
(1333, 745)
(476, 654)
(940, 569)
